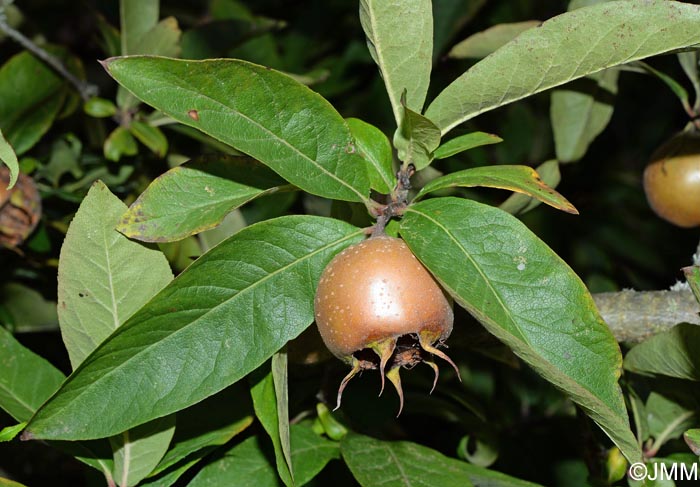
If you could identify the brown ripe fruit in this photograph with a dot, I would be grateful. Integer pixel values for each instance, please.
(672, 180)
(376, 306)
(20, 209)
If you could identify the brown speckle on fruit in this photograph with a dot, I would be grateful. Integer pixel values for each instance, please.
(394, 314)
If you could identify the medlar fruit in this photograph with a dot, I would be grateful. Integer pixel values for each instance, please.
(672, 180)
(377, 307)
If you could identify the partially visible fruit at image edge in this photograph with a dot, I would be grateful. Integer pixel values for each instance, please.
(672, 180)
(20, 209)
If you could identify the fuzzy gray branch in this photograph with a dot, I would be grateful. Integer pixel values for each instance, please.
(636, 315)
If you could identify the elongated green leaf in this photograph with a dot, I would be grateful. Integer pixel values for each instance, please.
(671, 353)
(10, 483)
(677, 88)
(483, 43)
(449, 17)
(196, 196)
(150, 136)
(249, 464)
(580, 112)
(31, 95)
(416, 139)
(404, 464)
(216, 322)
(138, 451)
(564, 48)
(163, 39)
(26, 379)
(201, 428)
(8, 433)
(670, 415)
(101, 278)
(137, 17)
(375, 147)
(519, 203)
(276, 424)
(400, 39)
(522, 179)
(119, 143)
(689, 62)
(28, 310)
(465, 142)
(260, 112)
(524, 294)
(9, 158)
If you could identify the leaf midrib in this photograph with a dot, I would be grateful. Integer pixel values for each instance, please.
(193, 91)
(209, 310)
(541, 86)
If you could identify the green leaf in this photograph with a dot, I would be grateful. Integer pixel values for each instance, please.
(119, 143)
(416, 139)
(150, 136)
(400, 40)
(195, 196)
(499, 271)
(564, 48)
(483, 43)
(522, 179)
(26, 379)
(203, 427)
(465, 142)
(671, 83)
(581, 111)
(100, 107)
(264, 114)
(101, 278)
(137, 451)
(9, 158)
(310, 453)
(692, 275)
(671, 353)
(449, 17)
(692, 439)
(31, 95)
(401, 463)
(248, 461)
(216, 322)
(137, 17)
(689, 62)
(519, 203)
(274, 419)
(8, 433)
(10, 483)
(243, 465)
(28, 309)
(163, 39)
(375, 147)
(669, 416)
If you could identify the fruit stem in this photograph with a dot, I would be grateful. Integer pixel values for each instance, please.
(398, 202)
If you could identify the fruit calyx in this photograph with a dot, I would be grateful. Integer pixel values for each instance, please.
(377, 307)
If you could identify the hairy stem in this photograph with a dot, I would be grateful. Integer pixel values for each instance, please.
(636, 315)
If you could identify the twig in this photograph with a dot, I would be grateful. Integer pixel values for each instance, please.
(86, 90)
(636, 315)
